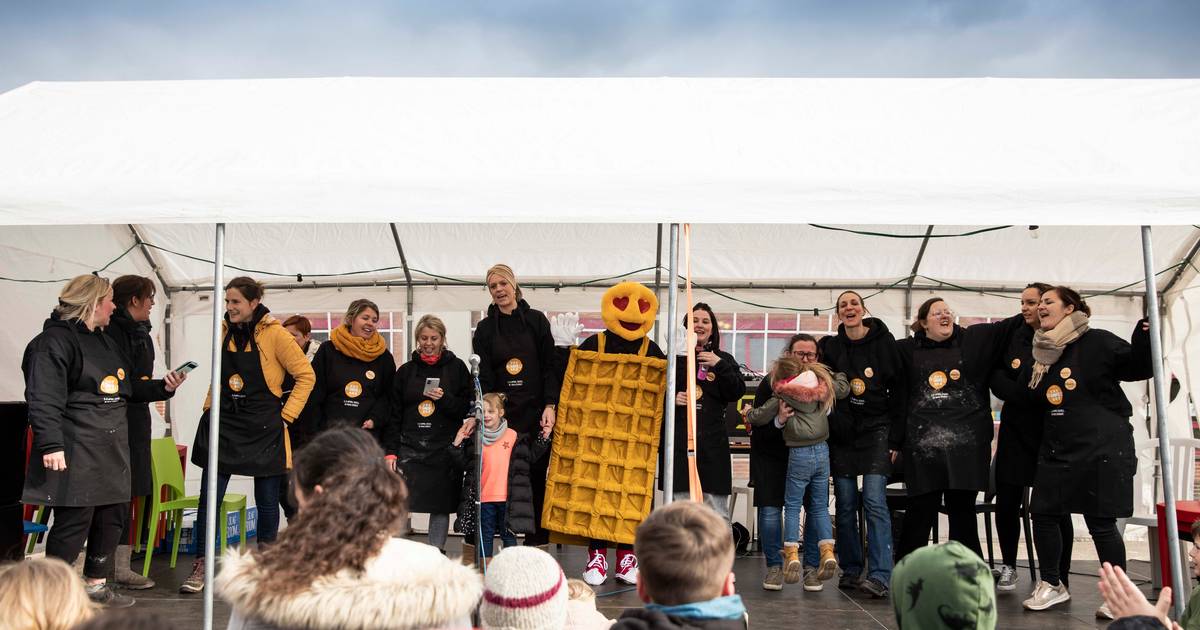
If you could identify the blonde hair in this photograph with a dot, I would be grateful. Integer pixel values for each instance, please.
(578, 590)
(356, 308)
(497, 401)
(786, 368)
(430, 321)
(685, 553)
(80, 297)
(43, 594)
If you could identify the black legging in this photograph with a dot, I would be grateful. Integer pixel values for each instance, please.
(1008, 527)
(1054, 552)
(921, 514)
(537, 482)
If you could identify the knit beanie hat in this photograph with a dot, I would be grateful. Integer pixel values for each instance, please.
(524, 588)
(506, 272)
(943, 586)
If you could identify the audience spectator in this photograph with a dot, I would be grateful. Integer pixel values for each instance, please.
(524, 588)
(686, 576)
(581, 608)
(339, 565)
(42, 594)
(943, 586)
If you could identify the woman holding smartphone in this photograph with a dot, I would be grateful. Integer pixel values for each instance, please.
(431, 395)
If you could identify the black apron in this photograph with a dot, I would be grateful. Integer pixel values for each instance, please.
(712, 448)
(351, 393)
(1087, 459)
(865, 451)
(426, 432)
(949, 436)
(95, 435)
(1021, 423)
(252, 439)
(519, 376)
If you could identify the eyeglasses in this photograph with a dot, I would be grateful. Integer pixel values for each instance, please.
(940, 314)
(803, 356)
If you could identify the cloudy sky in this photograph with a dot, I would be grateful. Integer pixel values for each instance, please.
(164, 39)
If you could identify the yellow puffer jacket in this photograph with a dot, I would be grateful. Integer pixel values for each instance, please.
(279, 355)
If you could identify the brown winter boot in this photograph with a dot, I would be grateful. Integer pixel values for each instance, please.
(828, 566)
(791, 563)
(468, 555)
(123, 576)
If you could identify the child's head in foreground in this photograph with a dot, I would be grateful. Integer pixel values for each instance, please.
(685, 555)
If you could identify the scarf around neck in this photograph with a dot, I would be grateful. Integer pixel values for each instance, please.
(1048, 345)
(356, 347)
(490, 436)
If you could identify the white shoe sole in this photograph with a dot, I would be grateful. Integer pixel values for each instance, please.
(772, 587)
(1065, 597)
(814, 589)
(1004, 588)
(626, 579)
(594, 578)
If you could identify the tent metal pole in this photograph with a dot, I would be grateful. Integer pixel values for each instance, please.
(214, 428)
(658, 272)
(408, 290)
(912, 275)
(1186, 262)
(668, 441)
(141, 243)
(1160, 410)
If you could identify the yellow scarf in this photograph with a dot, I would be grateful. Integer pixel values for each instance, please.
(357, 347)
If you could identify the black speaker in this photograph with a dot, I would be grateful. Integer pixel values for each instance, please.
(14, 419)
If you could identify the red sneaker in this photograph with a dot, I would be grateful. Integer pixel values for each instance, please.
(627, 566)
(597, 567)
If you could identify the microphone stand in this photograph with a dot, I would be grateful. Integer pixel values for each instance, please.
(478, 413)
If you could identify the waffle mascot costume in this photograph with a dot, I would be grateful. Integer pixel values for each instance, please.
(600, 483)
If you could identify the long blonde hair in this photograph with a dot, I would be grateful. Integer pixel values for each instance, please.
(43, 594)
(789, 367)
(80, 297)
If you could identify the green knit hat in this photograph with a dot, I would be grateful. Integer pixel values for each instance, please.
(943, 586)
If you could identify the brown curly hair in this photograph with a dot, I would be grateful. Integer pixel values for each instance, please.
(361, 502)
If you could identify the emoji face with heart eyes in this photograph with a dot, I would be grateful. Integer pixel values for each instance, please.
(629, 310)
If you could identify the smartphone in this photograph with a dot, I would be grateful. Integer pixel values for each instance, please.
(431, 384)
(187, 367)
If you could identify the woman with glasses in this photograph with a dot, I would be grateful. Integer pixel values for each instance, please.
(865, 351)
(946, 435)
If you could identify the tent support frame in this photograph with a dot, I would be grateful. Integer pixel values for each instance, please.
(668, 441)
(657, 271)
(912, 275)
(1187, 262)
(214, 428)
(408, 288)
(162, 282)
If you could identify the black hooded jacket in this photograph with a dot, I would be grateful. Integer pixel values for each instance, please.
(132, 338)
(496, 324)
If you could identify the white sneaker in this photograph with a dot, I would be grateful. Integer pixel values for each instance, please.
(627, 568)
(1008, 579)
(1045, 596)
(597, 568)
(1104, 612)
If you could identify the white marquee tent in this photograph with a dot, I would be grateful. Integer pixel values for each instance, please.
(416, 184)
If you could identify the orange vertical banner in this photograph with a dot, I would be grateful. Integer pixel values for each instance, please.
(694, 489)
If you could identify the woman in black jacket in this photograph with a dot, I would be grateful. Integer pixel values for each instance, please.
(517, 359)
(431, 395)
(1086, 461)
(354, 374)
(78, 384)
(865, 351)
(946, 436)
(129, 329)
(719, 382)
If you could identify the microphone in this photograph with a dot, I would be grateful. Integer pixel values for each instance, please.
(474, 360)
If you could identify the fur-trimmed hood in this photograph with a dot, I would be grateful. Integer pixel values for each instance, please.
(792, 390)
(408, 585)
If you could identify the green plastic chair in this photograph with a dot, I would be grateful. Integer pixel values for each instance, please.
(166, 471)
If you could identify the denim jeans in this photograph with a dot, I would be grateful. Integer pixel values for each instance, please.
(878, 524)
(770, 534)
(808, 486)
(492, 517)
(266, 499)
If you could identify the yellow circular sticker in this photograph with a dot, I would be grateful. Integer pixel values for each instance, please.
(858, 386)
(937, 380)
(1054, 395)
(868, 372)
(514, 366)
(236, 383)
(370, 375)
(121, 373)
(426, 408)
(1070, 384)
(710, 377)
(109, 385)
(145, 378)
(955, 375)
(1016, 363)
(1065, 372)
(353, 389)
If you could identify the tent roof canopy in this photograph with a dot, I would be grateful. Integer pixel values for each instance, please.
(891, 151)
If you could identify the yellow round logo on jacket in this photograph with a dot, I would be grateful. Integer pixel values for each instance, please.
(236, 383)
(937, 380)
(514, 366)
(1065, 373)
(1070, 384)
(1054, 395)
(1016, 363)
(121, 373)
(858, 386)
(370, 375)
(145, 378)
(353, 389)
(426, 408)
(955, 375)
(868, 372)
(109, 385)
(710, 377)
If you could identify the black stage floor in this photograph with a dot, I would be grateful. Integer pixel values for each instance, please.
(830, 609)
